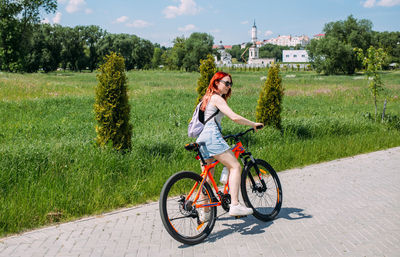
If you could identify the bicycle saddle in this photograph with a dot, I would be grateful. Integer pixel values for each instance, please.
(192, 147)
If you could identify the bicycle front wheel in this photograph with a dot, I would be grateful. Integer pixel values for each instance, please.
(261, 190)
(178, 213)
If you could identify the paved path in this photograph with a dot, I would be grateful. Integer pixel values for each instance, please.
(346, 207)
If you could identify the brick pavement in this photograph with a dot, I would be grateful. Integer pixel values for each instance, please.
(346, 207)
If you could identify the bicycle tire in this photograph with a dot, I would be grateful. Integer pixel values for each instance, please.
(179, 222)
(266, 203)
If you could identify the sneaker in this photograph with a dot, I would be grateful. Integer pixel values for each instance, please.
(239, 210)
(203, 215)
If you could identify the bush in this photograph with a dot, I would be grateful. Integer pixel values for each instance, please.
(111, 106)
(269, 103)
(207, 71)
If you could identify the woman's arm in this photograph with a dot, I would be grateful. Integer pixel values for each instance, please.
(221, 104)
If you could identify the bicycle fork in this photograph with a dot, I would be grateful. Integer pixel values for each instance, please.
(247, 158)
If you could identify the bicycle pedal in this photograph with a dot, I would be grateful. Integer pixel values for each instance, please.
(238, 217)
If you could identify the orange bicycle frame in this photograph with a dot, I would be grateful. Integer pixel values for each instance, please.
(237, 150)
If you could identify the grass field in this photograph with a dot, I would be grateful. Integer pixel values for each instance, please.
(51, 170)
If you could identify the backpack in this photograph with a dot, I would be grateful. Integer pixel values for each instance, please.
(197, 122)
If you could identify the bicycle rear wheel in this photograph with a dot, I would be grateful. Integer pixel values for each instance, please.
(180, 218)
(261, 193)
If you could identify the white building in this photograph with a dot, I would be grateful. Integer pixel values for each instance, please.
(288, 40)
(295, 56)
(225, 59)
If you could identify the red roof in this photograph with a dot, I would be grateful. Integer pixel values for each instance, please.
(319, 35)
(226, 47)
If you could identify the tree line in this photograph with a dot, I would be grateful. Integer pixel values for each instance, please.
(52, 46)
(49, 47)
(27, 45)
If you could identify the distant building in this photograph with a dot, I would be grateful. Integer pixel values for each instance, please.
(254, 59)
(288, 40)
(295, 56)
(225, 59)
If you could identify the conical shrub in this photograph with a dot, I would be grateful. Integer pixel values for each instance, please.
(111, 105)
(269, 104)
(207, 71)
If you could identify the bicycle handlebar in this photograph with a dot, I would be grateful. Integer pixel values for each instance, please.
(236, 136)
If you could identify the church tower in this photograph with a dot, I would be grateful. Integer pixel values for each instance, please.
(254, 33)
(253, 50)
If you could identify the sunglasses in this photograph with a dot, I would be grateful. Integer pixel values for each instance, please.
(226, 83)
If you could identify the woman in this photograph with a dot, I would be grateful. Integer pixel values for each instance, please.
(215, 147)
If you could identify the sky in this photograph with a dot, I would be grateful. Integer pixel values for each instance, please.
(161, 21)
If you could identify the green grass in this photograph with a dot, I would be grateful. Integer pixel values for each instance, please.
(49, 163)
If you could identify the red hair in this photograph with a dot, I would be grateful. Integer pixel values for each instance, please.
(213, 89)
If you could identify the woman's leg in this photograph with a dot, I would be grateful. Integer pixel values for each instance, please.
(229, 160)
(203, 197)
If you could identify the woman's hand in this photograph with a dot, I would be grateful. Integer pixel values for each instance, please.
(259, 125)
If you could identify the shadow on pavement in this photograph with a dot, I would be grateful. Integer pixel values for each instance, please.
(251, 225)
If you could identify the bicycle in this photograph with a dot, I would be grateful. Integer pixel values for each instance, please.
(180, 199)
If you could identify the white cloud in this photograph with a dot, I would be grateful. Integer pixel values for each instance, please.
(388, 3)
(268, 33)
(186, 7)
(245, 22)
(215, 31)
(121, 19)
(369, 3)
(57, 18)
(385, 3)
(187, 28)
(62, 1)
(138, 24)
(75, 5)
(88, 11)
(45, 21)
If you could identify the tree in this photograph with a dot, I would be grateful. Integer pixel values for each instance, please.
(389, 42)
(373, 61)
(235, 52)
(357, 33)
(46, 47)
(167, 61)
(143, 54)
(177, 53)
(197, 47)
(16, 21)
(272, 51)
(137, 52)
(73, 51)
(156, 60)
(334, 53)
(92, 36)
(331, 56)
(207, 71)
(269, 104)
(112, 106)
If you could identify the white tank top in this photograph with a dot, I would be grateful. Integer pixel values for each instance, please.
(210, 110)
